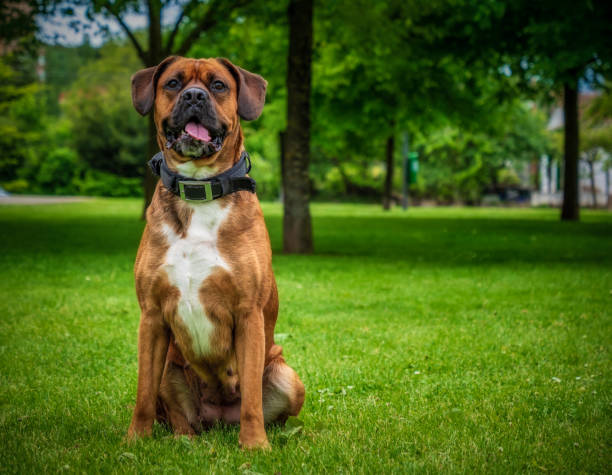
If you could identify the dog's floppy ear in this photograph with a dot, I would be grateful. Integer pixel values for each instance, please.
(143, 85)
(251, 90)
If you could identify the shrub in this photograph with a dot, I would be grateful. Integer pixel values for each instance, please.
(58, 170)
(98, 183)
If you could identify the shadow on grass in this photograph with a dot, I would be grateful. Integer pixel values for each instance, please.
(465, 241)
(72, 235)
(450, 241)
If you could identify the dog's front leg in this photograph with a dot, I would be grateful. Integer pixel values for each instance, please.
(152, 348)
(250, 352)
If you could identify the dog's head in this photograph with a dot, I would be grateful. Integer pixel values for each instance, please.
(197, 105)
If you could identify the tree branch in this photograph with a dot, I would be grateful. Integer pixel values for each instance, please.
(184, 12)
(141, 53)
(216, 10)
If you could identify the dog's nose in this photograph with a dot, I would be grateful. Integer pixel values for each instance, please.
(194, 95)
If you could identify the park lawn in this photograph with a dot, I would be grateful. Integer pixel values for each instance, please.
(449, 339)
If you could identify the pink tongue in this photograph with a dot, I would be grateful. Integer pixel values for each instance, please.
(197, 131)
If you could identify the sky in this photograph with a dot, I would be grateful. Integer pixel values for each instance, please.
(58, 29)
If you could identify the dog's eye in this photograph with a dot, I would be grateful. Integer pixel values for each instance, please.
(173, 84)
(217, 86)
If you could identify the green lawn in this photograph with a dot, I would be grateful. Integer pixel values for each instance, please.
(453, 339)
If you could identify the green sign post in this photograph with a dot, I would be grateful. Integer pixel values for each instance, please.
(413, 167)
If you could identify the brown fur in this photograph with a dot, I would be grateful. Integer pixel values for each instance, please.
(244, 376)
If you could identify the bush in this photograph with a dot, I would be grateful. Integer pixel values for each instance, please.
(107, 133)
(58, 170)
(16, 186)
(507, 177)
(97, 183)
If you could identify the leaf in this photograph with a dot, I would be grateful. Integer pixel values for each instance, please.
(292, 427)
(127, 457)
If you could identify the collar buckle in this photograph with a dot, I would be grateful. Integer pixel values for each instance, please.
(198, 191)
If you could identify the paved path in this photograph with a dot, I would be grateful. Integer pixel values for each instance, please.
(39, 200)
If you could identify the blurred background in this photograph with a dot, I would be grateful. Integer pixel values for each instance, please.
(399, 102)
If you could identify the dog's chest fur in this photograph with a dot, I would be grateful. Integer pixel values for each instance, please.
(189, 261)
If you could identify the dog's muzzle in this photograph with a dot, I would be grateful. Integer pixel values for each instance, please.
(194, 129)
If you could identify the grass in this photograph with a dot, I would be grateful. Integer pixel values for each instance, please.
(455, 340)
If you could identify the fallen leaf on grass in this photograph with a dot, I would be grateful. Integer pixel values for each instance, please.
(127, 457)
(292, 427)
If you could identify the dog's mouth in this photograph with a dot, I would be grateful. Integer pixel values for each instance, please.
(193, 139)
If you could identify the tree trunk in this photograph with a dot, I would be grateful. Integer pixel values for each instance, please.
(591, 163)
(155, 54)
(282, 140)
(570, 210)
(608, 200)
(297, 231)
(389, 176)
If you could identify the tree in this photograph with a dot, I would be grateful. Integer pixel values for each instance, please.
(548, 46)
(106, 134)
(596, 138)
(19, 121)
(18, 25)
(461, 162)
(376, 77)
(200, 16)
(297, 230)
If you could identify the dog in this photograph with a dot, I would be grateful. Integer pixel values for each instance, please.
(203, 270)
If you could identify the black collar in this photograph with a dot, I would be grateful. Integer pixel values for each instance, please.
(208, 189)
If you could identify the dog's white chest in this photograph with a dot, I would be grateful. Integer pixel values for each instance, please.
(189, 261)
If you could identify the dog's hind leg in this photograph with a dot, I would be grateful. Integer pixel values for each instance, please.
(178, 401)
(283, 391)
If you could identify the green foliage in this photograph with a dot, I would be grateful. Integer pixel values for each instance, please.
(94, 147)
(20, 121)
(98, 183)
(460, 164)
(107, 133)
(57, 170)
(18, 24)
(62, 68)
(508, 177)
(596, 128)
(447, 73)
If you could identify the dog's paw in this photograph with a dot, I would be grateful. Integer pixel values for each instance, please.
(138, 431)
(258, 443)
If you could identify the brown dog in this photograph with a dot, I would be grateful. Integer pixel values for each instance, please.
(203, 271)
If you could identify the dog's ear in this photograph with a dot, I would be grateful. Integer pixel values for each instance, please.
(251, 90)
(144, 83)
